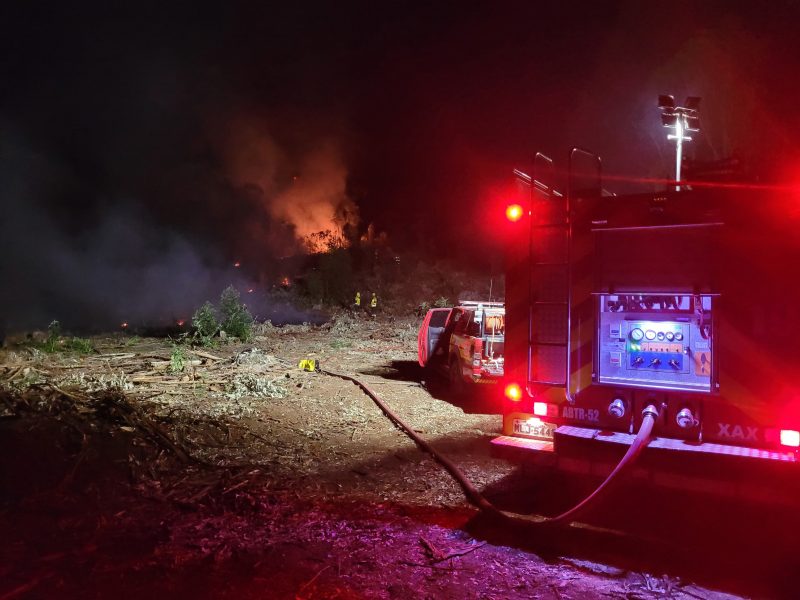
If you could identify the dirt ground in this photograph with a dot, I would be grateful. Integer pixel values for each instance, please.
(229, 473)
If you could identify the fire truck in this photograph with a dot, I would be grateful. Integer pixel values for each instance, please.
(684, 300)
(464, 343)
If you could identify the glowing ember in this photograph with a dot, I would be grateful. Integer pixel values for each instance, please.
(250, 291)
(124, 325)
(285, 282)
(180, 322)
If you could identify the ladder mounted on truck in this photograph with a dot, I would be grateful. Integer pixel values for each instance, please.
(551, 275)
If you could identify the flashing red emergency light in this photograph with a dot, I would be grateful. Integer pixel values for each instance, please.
(790, 437)
(514, 212)
(513, 392)
(540, 409)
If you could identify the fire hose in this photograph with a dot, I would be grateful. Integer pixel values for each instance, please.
(643, 437)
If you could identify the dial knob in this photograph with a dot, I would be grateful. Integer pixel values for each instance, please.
(637, 334)
(679, 336)
(670, 336)
(660, 335)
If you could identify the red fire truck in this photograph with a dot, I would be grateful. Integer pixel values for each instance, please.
(684, 300)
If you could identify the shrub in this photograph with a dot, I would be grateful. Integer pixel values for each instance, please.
(177, 360)
(205, 324)
(236, 319)
(55, 342)
(80, 345)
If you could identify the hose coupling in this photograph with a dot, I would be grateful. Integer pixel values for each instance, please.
(617, 408)
(650, 411)
(685, 419)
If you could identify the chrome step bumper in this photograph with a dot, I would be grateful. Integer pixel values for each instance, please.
(763, 476)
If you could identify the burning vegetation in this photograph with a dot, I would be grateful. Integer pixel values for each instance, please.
(305, 192)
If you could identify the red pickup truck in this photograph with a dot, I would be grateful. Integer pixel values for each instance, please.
(465, 342)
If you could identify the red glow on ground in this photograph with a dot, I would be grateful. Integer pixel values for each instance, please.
(237, 264)
(180, 322)
(124, 325)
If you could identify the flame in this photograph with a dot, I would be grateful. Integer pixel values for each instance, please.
(237, 264)
(325, 241)
(308, 193)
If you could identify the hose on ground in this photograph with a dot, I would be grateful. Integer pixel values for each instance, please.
(643, 437)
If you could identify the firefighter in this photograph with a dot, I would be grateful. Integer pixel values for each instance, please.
(357, 302)
(373, 305)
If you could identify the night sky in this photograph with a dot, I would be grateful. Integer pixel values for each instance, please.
(142, 152)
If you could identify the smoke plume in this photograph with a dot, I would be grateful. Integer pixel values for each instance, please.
(96, 267)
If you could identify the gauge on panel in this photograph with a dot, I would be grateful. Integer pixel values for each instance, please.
(650, 334)
(679, 336)
(660, 336)
(670, 336)
(637, 334)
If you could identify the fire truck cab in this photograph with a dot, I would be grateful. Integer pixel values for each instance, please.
(464, 343)
(685, 300)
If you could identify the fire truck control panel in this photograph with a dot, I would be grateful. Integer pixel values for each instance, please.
(655, 341)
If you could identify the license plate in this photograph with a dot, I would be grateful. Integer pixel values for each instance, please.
(534, 428)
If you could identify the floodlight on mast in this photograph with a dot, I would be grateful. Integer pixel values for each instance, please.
(683, 119)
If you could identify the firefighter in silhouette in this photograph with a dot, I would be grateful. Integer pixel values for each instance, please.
(357, 301)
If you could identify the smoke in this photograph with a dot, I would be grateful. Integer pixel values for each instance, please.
(92, 270)
(303, 188)
(147, 254)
